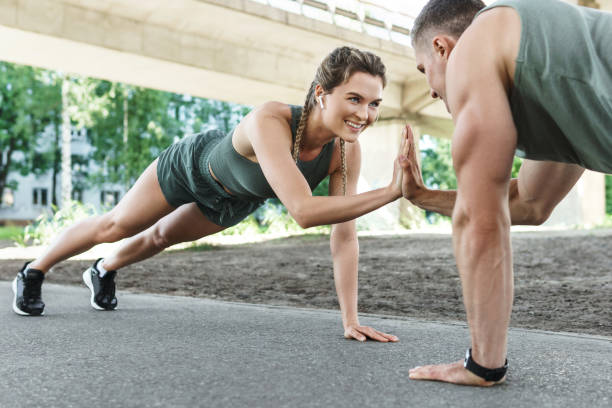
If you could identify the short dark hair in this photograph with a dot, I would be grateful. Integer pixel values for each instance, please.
(450, 17)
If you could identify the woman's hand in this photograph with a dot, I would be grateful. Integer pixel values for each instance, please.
(361, 333)
(412, 180)
(398, 173)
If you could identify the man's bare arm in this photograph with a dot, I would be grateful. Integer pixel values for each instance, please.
(484, 141)
(540, 186)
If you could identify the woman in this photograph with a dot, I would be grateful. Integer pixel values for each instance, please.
(210, 181)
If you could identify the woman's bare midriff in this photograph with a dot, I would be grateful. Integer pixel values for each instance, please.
(218, 182)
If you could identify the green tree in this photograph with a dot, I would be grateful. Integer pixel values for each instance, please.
(28, 105)
(82, 100)
(126, 142)
(140, 123)
(222, 115)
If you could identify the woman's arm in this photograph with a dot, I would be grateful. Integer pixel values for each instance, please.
(345, 254)
(270, 137)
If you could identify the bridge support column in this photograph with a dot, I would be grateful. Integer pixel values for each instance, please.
(585, 204)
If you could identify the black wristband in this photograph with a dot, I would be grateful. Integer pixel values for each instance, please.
(488, 374)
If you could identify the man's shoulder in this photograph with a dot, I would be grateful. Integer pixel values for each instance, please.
(497, 32)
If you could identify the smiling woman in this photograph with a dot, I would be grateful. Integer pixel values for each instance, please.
(210, 181)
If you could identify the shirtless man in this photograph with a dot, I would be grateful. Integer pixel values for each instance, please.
(521, 75)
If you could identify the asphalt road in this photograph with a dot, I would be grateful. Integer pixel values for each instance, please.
(165, 351)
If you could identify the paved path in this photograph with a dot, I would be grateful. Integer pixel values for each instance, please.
(183, 352)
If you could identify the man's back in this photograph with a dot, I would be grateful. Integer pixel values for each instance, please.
(562, 96)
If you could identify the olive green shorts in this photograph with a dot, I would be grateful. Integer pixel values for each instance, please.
(184, 177)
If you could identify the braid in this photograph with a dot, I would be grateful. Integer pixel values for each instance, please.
(343, 155)
(302, 124)
(336, 69)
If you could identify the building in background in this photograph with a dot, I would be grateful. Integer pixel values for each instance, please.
(34, 193)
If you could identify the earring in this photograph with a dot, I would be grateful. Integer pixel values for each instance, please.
(321, 102)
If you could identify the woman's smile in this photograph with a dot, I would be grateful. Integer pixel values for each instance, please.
(354, 126)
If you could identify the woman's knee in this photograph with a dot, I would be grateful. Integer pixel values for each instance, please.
(112, 228)
(160, 237)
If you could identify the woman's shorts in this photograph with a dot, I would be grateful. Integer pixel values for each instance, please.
(184, 177)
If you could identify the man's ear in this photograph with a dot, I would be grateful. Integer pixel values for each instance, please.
(443, 45)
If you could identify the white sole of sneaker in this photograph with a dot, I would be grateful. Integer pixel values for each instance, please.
(87, 280)
(15, 308)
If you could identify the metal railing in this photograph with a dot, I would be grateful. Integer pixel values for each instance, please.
(359, 15)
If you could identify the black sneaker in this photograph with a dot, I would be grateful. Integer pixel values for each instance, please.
(26, 287)
(102, 289)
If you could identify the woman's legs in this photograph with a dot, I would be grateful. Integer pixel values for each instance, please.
(186, 223)
(140, 208)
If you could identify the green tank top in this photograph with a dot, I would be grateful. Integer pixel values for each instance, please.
(562, 97)
(245, 179)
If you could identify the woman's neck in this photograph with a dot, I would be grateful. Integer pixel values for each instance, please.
(316, 135)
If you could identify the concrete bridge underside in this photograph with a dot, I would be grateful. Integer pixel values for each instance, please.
(234, 50)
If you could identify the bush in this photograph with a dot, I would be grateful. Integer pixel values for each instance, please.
(11, 232)
(47, 226)
(271, 218)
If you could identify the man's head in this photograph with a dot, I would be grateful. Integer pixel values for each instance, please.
(434, 35)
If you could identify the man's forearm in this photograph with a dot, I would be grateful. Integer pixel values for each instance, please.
(522, 212)
(484, 260)
(439, 201)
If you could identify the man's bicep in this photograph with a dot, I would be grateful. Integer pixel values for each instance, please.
(484, 140)
(483, 148)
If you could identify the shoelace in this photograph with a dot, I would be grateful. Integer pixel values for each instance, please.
(107, 284)
(31, 288)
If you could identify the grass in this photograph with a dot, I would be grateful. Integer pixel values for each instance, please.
(197, 247)
(607, 223)
(10, 232)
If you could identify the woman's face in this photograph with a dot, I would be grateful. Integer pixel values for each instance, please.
(352, 106)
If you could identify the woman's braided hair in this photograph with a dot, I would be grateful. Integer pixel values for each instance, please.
(334, 70)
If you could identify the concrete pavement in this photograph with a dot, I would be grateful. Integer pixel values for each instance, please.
(166, 351)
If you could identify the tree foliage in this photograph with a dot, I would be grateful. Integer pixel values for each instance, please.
(28, 104)
(155, 119)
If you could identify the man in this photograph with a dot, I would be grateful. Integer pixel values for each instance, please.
(524, 75)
